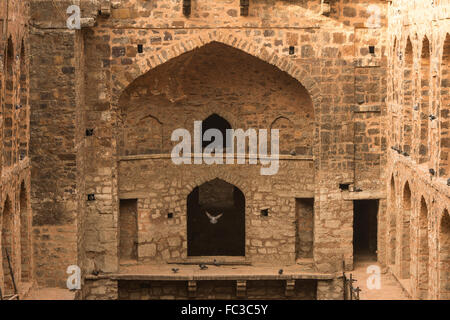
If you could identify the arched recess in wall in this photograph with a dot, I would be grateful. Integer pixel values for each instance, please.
(394, 69)
(8, 107)
(444, 257)
(405, 268)
(444, 163)
(143, 136)
(25, 235)
(213, 78)
(7, 245)
(23, 98)
(408, 91)
(424, 88)
(392, 224)
(423, 251)
(286, 129)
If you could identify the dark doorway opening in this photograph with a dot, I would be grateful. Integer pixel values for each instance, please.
(128, 230)
(216, 220)
(365, 226)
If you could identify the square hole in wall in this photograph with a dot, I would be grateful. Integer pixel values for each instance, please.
(291, 50)
(265, 212)
(140, 48)
(372, 49)
(170, 215)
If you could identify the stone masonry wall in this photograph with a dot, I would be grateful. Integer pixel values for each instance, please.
(417, 174)
(89, 75)
(15, 210)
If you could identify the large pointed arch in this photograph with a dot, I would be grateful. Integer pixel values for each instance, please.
(147, 61)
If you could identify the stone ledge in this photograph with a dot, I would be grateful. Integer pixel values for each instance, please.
(158, 156)
(366, 108)
(215, 272)
(155, 277)
(363, 195)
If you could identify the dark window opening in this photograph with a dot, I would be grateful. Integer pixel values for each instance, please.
(365, 227)
(244, 7)
(372, 49)
(216, 220)
(215, 122)
(187, 7)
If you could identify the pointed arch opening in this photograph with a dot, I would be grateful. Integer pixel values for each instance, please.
(408, 92)
(423, 257)
(23, 103)
(425, 71)
(444, 257)
(392, 224)
(216, 220)
(394, 68)
(217, 76)
(8, 108)
(7, 247)
(405, 269)
(216, 122)
(25, 235)
(444, 163)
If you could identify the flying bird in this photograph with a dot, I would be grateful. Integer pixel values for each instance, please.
(175, 270)
(203, 266)
(213, 219)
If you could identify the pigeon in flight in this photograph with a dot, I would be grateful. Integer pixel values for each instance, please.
(203, 266)
(213, 219)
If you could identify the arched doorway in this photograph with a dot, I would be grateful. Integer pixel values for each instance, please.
(216, 220)
(444, 257)
(8, 106)
(423, 258)
(405, 271)
(391, 224)
(25, 245)
(408, 94)
(23, 98)
(424, 88)
(444, 169)
(7, 243)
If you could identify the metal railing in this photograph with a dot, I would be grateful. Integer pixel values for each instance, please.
(349, 291)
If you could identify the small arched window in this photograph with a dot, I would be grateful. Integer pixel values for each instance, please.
(215, 121)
